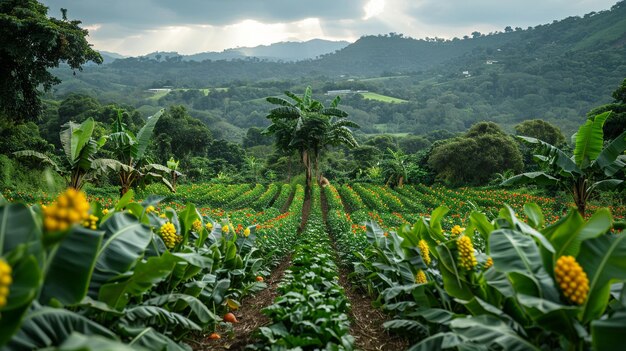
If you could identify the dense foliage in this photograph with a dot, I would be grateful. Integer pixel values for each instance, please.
(32, 43)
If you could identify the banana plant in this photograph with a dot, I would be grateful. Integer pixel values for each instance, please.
(172, 164)
(79, 148)
(591, 167)
(132, 164)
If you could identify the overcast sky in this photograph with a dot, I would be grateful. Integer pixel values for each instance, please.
(135, 27)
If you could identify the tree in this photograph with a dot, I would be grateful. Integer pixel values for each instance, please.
(32, 43)
(475, 157)
(413, 143)
(591, 168)
(542, 130)
(179, 134)
(80, 149)
(306, 126)
(254, 137)
(616, 123)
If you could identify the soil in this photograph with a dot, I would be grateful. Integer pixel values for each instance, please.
(249, 316)
(366, 322)
(288, 203)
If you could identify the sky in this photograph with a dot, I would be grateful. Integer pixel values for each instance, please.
(137, 27)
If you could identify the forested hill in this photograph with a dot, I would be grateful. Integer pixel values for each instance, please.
(557, 71)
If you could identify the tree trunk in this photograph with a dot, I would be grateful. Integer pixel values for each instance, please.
(306, 160)
(318, 176)
(580, 195)
(400, 182)
(174, 177)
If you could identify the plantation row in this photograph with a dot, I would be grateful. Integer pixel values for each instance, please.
(472, 273)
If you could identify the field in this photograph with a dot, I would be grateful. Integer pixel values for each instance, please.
(219, 266)
(383, 98)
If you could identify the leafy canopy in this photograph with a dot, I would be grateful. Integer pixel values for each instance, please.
(31, 44)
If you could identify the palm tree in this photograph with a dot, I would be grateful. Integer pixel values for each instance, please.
(306, 126)
(80, 149)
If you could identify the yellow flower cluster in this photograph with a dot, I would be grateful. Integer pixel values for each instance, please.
(467, 260)
(423, 246)
(225, 228)
(168, 234)
(105, 211)
(91, 222)
(246, 232)
(5, 282)
(209, 226)
(488, 263)
(420, 277)
(163, 215)
(197, 225)
(457, 230)
(70, 207)
(150, 209)
(572, 279)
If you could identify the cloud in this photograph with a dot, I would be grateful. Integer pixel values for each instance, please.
(137, 27)
(152, 13)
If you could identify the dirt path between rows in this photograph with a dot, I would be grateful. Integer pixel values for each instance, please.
(366, 322)
(249, 316)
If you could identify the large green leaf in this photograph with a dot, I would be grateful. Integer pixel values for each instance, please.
(589, 140)
(490, 331)
(144, 135)
(153, 315)
(570, 232)
(454, 280)
(152, 339)
(550, 315)
(553, 157)
(534, 214)
(278, 101)
(80, 138)
(186, 218)
(609, 159)
(75, 257)
(46, 327)
(17, 226)
(517, 255)
(604, 260)
(80, 342)
(66, 139)
(437, 342)
(436, 217)
(608, 334)
(124, 242)
(480, 222)
(43, 158)
(26, 279)
(146, 275)
(539, 178)
(180, 302)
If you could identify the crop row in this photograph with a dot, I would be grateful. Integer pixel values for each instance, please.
(142, 275)
(499, 283)
(265, 200)
(312, 310)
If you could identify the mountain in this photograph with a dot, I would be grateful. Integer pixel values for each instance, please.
(109, 57)
(283, 51)
(557, 71)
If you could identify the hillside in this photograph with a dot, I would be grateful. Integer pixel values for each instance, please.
(556, 71)
(283, 51)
